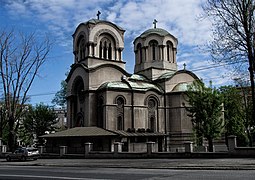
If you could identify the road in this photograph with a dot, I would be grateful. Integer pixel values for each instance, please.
(77, 173)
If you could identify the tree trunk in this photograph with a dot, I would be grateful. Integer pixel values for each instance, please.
(11, 135)
(200, 139)
(210, 143)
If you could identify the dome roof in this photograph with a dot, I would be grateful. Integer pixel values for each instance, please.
(183, 86)
(96, 21)
(137, 86)
(158, 31)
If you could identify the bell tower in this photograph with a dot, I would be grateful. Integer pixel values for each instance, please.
(97, 49)
(155, 52)
(97, 42)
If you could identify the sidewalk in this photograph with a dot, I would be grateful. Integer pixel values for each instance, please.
(206, 164)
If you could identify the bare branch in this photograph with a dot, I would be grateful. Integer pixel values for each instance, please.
(21, 57)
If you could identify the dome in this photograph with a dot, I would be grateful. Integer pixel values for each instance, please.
(137, 86)
(158, 31)
(96, 21)
(181, 87)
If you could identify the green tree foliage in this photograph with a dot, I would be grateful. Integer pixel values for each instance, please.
(234, 114)
(60, 96)
(205, 110)
(233, 36)
(37, 121)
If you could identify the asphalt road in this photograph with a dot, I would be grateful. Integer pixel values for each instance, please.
(77, 173)
(131, 169)
(205, 164)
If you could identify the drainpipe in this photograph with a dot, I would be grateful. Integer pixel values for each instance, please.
(124, 79)
(165, 120)
(165, 138)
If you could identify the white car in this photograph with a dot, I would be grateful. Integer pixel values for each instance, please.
(23, 154)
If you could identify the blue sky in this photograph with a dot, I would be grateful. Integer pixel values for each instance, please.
(59, 18)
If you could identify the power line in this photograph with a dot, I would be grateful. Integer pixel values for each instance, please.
(201, 68)
(43, 94)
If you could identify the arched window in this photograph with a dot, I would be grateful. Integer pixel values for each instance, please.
(120, 113)
(77, 112)
(139, 53)
(100, 50)
(152, 123)
(106, 47)
(169, 51)
(119, 123)
(152, 114)
(79, 120)
(110, 51)
(100, 112)
(81, 48)
(154, 49)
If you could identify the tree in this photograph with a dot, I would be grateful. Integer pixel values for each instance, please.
(205, 110)
(234, 114)
(60, 96)
(36, 122)
(234, 34)
(21, 57)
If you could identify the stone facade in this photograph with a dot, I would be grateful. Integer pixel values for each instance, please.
(140, 107)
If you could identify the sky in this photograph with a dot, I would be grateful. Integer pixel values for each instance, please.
(59, 18)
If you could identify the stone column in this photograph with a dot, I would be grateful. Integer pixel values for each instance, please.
(146, 56)
(150, 147)
(117, 147)
(231, 143)
(174, 55)
(163, 55)
(120, 54)
(90, 49)
(0, 145)
(88, 147)
(4, 148)
(159, 53)
(41, 149)
(107, 49)
(188, 147)
(63, 150)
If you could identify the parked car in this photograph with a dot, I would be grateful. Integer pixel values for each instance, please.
(23, 154)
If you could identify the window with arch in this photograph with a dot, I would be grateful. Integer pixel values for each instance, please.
(120, 112)
(77, 102)
(105, 50)
(106, 47)
(110, 51)
(79, 119)
(169, 50)
(152, 113)
(154, 49)
(139, 53)
(81, 48)
(100, 112)
(100, 50)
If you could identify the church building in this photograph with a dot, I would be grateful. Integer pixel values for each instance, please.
(106, 104)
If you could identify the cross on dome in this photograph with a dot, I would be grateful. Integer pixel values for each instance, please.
(98, 14)
(184, 66)
(155, 23)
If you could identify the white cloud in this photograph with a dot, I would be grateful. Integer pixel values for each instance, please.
(180, 18)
